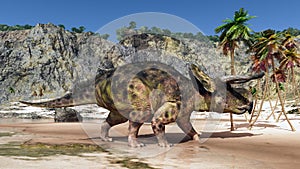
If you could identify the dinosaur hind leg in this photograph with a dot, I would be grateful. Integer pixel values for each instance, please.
(114, 118)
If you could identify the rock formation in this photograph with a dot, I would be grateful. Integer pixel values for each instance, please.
(46, 60)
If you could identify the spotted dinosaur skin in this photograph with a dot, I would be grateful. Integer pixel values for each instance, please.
(159, 94)
(135, 104)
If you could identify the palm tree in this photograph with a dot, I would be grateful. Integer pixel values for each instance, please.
(259, 64)
(291, 60)
(267, 48)
(292, 57)
(232, 32)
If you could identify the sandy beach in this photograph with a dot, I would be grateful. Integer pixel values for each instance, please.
(267, 145)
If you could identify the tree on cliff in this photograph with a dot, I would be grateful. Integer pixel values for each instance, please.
(4, 27)
(81, 29)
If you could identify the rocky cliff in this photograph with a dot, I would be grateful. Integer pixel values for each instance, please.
(46, 61)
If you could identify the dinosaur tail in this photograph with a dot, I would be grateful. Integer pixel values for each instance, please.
(82, 93)
(67, 100)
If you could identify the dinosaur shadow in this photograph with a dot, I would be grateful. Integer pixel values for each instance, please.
(261, 125)
(175, 138)
(226, 134)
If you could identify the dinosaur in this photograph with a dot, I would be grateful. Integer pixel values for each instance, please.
(130, 98)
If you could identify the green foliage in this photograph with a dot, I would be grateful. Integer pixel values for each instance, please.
(132, 29)
(214, 38)
(11, 90)
(62, 26)
(122, 32)
(235, 29)
(132, 25)
(104, 36)
(132, 163)
(281, 86)
(4, 27)
(292, 31)
(253, 91)
(280, 45)
(81, 29)
(43, 150)
(276, 51)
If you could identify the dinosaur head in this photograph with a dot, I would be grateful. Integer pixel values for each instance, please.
(220, 93)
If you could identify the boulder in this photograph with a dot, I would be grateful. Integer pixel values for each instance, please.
(67, 115)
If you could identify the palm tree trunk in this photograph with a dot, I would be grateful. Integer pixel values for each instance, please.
(273, 110)
(294, 85)
(232, 73)
(256, 100)
(232, 67)
(270, 98)
(265, 91)
(279, 95)
(231, 122)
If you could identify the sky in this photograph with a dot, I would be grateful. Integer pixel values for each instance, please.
(205, 15)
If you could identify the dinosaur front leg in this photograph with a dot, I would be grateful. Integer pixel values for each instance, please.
(184, 122)
(159, 131)
(133, 134)
(164, 115)
(186, 126)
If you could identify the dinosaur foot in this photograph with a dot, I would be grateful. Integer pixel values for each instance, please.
(132, 142)
(104, 128)
(165, 144)
(136, 145)
(196, 137)
(106, 139)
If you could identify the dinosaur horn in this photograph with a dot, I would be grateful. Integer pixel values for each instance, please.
(241, 79)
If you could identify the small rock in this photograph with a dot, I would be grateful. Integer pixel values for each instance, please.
(67, 115)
